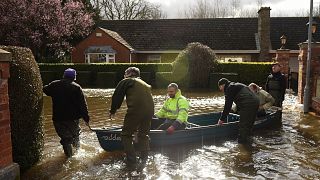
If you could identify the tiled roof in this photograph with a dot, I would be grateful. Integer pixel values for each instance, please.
(117, 37)
(218, 33)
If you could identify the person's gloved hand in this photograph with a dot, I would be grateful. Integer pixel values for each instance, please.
(170, 130)
(220, 122)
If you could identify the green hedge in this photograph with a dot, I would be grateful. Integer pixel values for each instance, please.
(248, 72)
(25, 98)
(90, 79)
(106, 79)
(162, 79)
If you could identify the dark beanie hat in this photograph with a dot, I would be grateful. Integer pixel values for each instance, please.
(223, 81)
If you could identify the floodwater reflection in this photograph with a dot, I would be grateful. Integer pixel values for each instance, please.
(281, 153)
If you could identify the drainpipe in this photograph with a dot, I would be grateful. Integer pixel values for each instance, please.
(130, 57)
(306, 96)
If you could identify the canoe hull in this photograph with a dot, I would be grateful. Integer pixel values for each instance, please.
(110, 139)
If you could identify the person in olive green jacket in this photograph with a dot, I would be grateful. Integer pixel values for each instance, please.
(139, 114)
(266, 100)
(174, 113)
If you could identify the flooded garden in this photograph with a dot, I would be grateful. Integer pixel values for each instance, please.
(287, 152)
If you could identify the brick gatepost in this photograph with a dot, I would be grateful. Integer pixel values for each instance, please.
(283, 57)
(8, 169)
(314, 71)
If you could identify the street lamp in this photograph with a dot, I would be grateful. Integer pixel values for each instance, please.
(313, 28)
(283, 39)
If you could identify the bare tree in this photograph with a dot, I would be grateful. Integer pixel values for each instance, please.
(208, 9)
(128, 9)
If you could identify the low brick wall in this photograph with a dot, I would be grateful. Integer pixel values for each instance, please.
(315, 104)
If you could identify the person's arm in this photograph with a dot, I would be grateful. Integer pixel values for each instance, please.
(48, 89)
(227, 107)
(269, 100)
(119, 94)
(83, 107)
(267, 84)
(161, 113)
(183, 106)
(283, 86)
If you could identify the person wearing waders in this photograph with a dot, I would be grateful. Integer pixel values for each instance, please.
(68, 106)
(138, 117)
(276, 84)
(247, 106)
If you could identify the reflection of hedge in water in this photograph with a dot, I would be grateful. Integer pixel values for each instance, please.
(25, 93)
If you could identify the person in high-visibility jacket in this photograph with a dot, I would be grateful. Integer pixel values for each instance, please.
(174, 113)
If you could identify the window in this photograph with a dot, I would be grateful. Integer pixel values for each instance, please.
(154, 58)
(100, 58)
(232, 59)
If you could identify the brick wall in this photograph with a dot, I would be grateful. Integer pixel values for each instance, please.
(5, 130)
(283, 57)
(314, 71)
(122, 55)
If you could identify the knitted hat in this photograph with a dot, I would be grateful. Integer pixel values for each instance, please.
(69, 73)
(223, 81)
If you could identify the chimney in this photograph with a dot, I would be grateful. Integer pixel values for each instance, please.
(264, 33)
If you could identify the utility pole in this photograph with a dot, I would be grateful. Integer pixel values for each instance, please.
(306, 96)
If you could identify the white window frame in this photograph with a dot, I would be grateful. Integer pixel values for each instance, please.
(107, 57)
(154, 58)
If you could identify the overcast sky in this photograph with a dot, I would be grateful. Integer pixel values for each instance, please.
(278, 7)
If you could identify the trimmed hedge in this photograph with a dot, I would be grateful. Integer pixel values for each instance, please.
(106, 79)
(26, 101)
(248, 72)
(90, 79)
(163, 79)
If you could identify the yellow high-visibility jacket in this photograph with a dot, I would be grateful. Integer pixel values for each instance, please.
(175, 108)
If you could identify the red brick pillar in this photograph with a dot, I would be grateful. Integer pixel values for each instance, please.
(283, 57)
(314, 69)
(8, 169)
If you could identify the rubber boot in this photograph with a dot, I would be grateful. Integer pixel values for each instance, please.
(76, 143)
(67, 150)
(131, 161)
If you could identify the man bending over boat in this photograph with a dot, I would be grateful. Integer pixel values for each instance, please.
(174, 113)
(139, 114)
(266, 100)
(247, 104)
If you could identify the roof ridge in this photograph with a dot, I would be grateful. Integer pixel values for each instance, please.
(117, 37)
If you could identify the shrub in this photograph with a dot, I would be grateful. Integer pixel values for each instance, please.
(248, 72)
(25, 97)
(163, 79)
(193, 65)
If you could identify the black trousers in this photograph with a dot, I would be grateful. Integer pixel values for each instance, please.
(163, 124)
(68, 131)
(139, 123)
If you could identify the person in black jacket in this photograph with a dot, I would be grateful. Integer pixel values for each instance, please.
(247, 106)
(276, 84)
(68, 106)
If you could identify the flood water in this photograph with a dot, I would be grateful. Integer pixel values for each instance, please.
(282, 153)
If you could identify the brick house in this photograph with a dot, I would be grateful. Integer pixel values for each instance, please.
(233, 39)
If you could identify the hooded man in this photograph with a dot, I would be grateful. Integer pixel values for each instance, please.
(174, 113)
(247, 106)
(139, 114)
(276, 84)
(69, 105)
